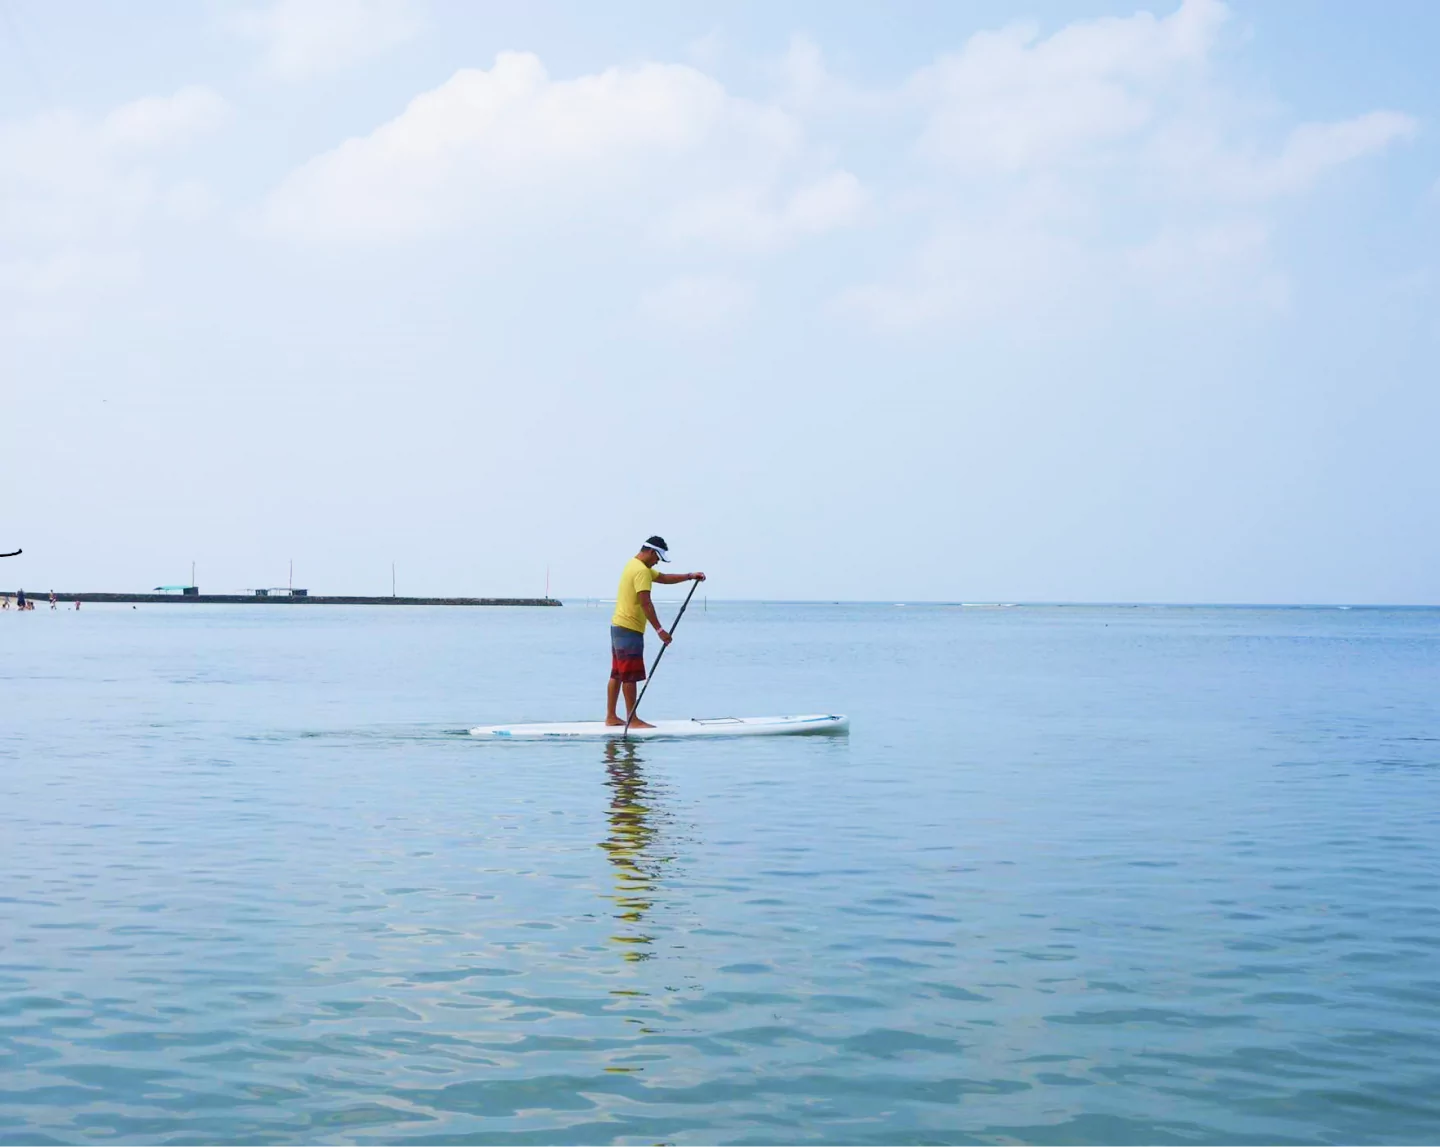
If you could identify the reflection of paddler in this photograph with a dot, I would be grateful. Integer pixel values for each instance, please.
(630, 845)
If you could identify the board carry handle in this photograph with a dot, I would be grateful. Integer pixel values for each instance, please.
(673, 626)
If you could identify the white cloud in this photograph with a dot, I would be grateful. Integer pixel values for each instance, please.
(1032, 176)
(76, 191)
(696, 304)
(497, 143)
(190, 201)
(707, 51)
(806, 85)
(161, 121)
(1230, 258)
(983, 272)
(302, 39)
(1311, 150)
(63, 272)
(1045, 278)
(743, 217)
(59, 182)
(805, 80)
(1101, 165)
(1011, 101)
(66, 177)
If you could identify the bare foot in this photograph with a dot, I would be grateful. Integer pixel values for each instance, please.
(636, 723)
(613, 721)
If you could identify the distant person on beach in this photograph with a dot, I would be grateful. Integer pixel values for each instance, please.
(52, 599)
(633, 608)
(20, 599)
(77, 603)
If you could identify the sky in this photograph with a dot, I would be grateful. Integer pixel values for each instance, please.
(1035, 301)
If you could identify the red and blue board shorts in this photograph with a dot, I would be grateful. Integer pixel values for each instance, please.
(627, 654)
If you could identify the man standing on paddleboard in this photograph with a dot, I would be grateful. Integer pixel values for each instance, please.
(633, 608)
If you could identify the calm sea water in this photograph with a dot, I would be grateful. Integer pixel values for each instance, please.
(1077, 875)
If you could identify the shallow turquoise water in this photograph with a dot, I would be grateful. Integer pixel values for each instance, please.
(1077, 875)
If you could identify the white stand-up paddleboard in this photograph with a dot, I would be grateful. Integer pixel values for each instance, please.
(695, 727)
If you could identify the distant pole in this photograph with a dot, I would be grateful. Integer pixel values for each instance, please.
(292, 574)
(547, 583)
(392, 579)
(192, 573)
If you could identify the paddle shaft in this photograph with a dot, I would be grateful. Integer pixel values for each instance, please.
(673, 626)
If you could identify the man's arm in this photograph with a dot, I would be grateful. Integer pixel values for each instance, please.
(649, 607)
(673, 579)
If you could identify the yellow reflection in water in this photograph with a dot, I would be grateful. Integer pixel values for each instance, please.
(632, 845)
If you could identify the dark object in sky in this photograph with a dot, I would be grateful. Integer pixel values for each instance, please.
(16, 554)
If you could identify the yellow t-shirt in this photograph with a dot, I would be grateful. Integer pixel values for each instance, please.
(635, 580)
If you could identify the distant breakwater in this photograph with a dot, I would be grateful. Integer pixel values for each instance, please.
(43, 597)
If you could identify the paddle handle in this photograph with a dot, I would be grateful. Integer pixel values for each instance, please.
(694, 585)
